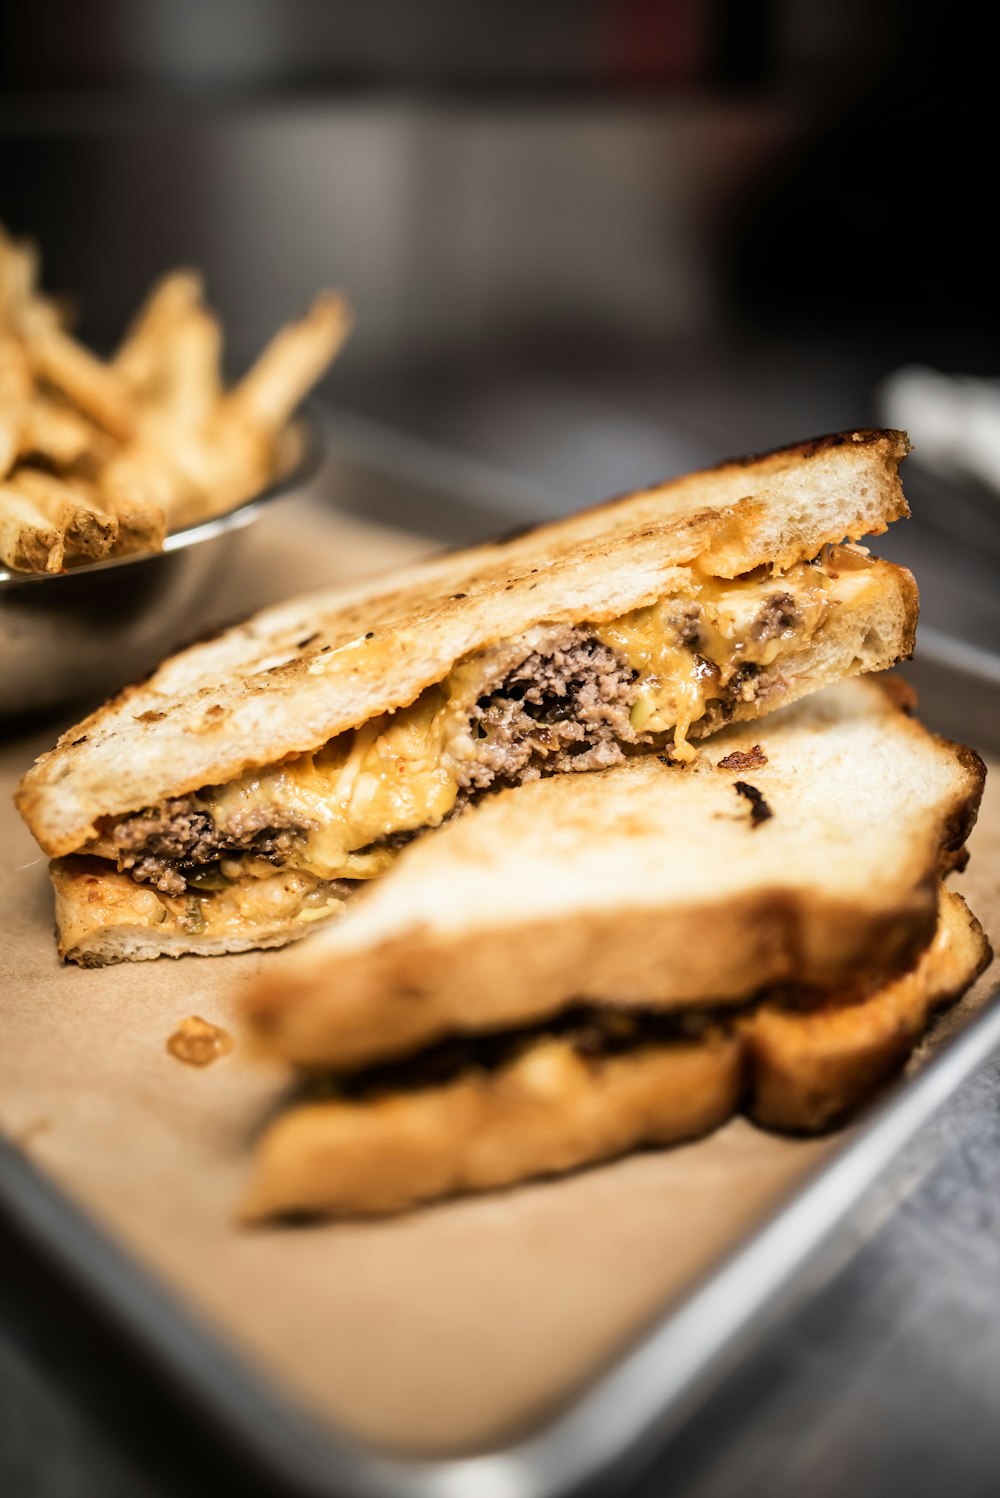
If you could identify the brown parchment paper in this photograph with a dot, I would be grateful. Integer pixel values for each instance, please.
(442, 1330)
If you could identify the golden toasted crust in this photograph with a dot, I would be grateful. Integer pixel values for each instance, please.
(808, 1069)
(646, 884)
(104, 917)
(554, 1109)
(294, 676)
(549, 1111)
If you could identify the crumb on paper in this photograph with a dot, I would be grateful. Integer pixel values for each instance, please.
(197, 1042)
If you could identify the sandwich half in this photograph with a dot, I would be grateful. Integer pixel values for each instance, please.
(803, 850)
(238, 795)
(598, 1082)
(576, 969)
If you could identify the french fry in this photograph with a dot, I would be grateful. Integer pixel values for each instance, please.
(93, 386)
(140, 527)
(15, 399)
(10, 437)
(65, 309)
(140, 353)
(59, 434)
(222, 465)
(28, 540)
(191, 471)
(290, 365)
(18, 276)
(141, 476)
(287, 450)
(191, 382)
(102, 457)
(89, 530)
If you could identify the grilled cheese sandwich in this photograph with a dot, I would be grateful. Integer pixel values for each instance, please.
(320, 736)
(705, 646)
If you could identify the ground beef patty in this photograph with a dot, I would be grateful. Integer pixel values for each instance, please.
(160, 845)
(779, 614)
(595, 1034)
(566, 709)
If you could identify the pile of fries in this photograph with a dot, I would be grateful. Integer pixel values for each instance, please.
(102, 458)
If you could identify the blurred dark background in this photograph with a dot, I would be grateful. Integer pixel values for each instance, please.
(593, 241)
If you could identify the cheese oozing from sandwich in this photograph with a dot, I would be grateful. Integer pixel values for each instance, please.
(678, 666)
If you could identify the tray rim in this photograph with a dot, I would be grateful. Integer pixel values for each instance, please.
(634, 1403)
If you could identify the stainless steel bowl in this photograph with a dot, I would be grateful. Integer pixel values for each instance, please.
(81, 633)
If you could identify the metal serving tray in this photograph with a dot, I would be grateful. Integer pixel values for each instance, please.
(631, 1408)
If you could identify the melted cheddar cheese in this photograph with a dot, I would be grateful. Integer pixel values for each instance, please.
(686, 649)
(402, 770)
(391, 775)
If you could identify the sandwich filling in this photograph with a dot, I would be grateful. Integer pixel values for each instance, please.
(558, 699)
(589, 1031)
(475, 1112)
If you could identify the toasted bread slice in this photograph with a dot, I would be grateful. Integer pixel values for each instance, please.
(805, 850)
(575, 1098)
(296, 676)
(104, 917)
(809, 1068)
(549, 1110)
